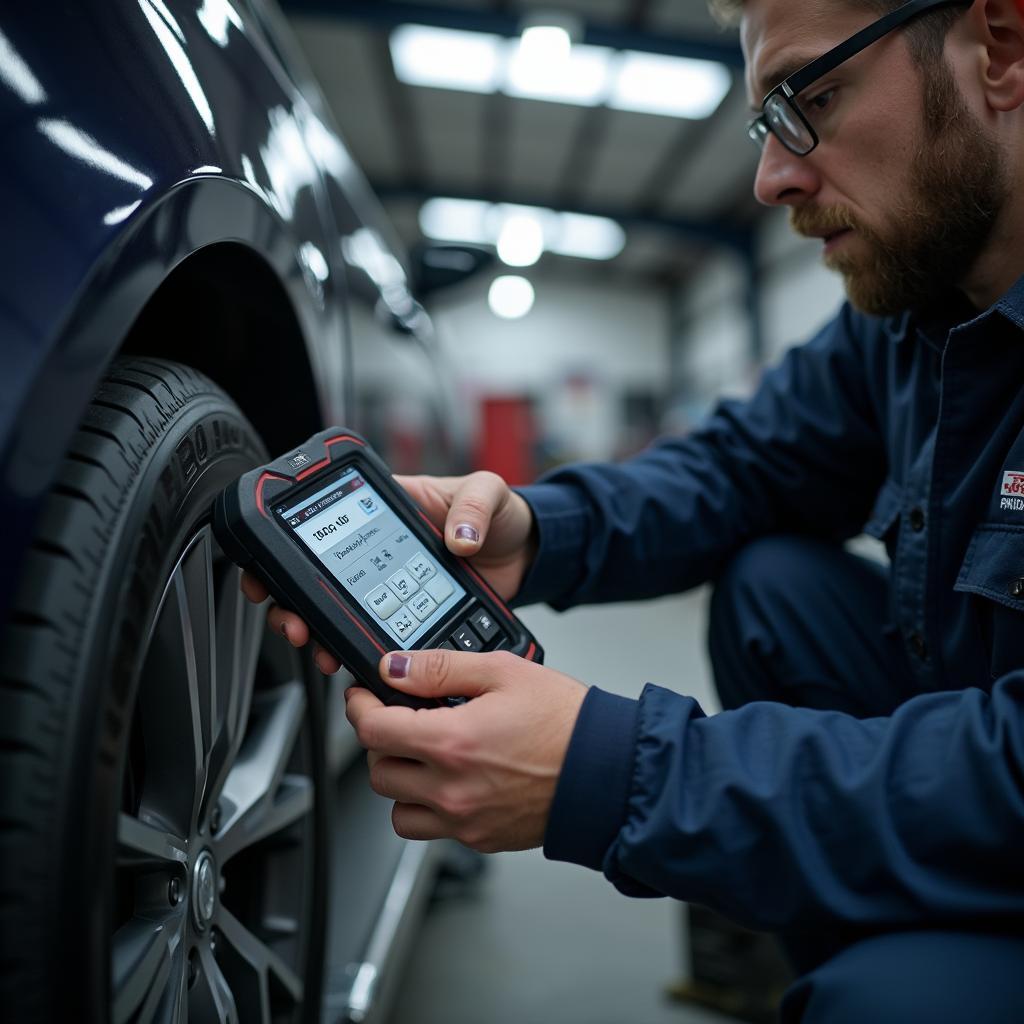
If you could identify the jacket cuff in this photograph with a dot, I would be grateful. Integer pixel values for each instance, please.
(563, 528)
(590, 801)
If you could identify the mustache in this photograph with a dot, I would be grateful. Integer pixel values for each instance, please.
(815, 221)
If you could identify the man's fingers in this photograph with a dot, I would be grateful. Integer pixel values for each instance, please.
(254, 588)
(442, 673)
(473, 507)
(326, 662)
(402, 779)
(393, 731)
(413, 821)
(289, 625)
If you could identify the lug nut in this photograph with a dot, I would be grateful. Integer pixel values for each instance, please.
(174, 891)
(215, 818)
(193, 968)
(213, 941)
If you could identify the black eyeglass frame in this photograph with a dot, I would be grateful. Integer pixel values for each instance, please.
(789, 88)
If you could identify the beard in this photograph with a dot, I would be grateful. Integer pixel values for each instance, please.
(936, 232)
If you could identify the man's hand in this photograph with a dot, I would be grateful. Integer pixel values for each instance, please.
(483, 772)
(481, 518)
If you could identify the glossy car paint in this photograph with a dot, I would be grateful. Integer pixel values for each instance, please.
(136, 134)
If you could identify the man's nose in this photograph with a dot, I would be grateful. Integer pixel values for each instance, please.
(783, 178)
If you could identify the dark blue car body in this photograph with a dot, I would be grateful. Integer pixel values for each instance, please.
(139, 135)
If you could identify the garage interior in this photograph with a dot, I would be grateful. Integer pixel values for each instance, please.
(531, 242)
(698, 289)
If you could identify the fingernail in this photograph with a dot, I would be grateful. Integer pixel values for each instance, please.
(398, 665)
(466, 532)
(284, 630)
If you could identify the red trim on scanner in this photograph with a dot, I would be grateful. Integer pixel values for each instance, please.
(325, 462)
(259, 489)
(334, 597)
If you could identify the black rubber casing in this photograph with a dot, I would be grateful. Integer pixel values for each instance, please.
(256, 539)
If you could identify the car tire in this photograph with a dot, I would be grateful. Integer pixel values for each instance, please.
(162, 814)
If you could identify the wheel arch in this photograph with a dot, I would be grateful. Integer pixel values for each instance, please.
(223, 311)
(208, 239)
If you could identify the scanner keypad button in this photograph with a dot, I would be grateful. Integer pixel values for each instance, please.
(483, 623)
(422, 606)
(403, 623)
(383, 602)
(403, 584)
(466, 640)
(439, 589)
(420, 567)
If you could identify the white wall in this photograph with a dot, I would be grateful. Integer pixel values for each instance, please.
(616, 332)
(798, 295)
(585, 344)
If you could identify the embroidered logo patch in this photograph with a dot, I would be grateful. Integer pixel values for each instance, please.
(1011, 494)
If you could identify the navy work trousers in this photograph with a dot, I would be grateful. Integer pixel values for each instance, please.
(804, 623)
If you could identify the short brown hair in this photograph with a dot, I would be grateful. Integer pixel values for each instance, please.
(925, 36)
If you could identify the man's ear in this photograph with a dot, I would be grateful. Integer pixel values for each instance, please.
(998, 25)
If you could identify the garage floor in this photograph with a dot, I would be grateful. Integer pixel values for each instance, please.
(538, 942)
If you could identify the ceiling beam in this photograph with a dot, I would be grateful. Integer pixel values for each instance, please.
(737, 238)
(389, 13)
(403, 122)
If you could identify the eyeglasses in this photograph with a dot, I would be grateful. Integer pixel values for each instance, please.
(780, 114)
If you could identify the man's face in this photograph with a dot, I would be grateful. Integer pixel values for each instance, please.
(905, 184)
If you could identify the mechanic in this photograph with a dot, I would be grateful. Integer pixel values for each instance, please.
(864, 796)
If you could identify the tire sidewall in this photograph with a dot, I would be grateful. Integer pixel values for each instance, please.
(206, 446)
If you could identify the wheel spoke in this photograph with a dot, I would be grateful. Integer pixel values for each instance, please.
(240, 631)
(144, 952)
(259, 799)
(210, 998)
(178, 689)
(262, 961)
(140, 844)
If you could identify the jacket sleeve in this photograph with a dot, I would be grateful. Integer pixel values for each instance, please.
(805, 454)
(790, 819)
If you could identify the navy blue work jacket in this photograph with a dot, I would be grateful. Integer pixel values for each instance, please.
(791, 818)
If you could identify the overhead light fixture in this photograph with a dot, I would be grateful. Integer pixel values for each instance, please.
(521, 241)
(546, 63)
(456, 220)
(589, 238)
(511, 297)
(649, 83)
(580, 78)
(447, 58)
(521, 233)
(547, 44)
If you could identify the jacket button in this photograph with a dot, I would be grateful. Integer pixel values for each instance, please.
(1017, 588)
(918, 646)
(916, 519)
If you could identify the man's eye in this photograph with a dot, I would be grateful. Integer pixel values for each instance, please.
(816, 104)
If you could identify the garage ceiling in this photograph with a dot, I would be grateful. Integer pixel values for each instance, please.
(677, 186)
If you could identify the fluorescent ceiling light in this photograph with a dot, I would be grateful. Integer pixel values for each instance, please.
(591, 238)
(447, 59)
(676, 86)
(581, 77)
(551, 43)
(518, 230)
(456, 220)
(511, 297)
(544, 65)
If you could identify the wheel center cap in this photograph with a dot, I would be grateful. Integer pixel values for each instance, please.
(204, 889)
